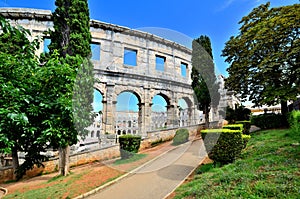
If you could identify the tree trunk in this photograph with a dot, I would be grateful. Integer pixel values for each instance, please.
(284, 108)
(15, 161)
(64, 160)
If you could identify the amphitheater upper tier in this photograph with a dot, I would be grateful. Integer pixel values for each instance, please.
(126, 60)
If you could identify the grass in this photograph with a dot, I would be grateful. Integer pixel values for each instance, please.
(133, 158)
(58, 187)
(268, 168)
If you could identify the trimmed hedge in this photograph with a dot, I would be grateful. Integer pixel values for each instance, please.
(294, 121)
(269, 121)
(238, 127)
(129, 144)
(246, 126)
(181, 136)
(245, 138)
(223, 145)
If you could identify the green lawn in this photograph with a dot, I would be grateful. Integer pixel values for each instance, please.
(268, 168)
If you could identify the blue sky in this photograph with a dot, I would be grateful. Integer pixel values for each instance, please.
(217, 19)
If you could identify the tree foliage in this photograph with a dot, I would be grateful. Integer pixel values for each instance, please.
(71, 38)
(204, 80)
(20, 111)
(264, 57)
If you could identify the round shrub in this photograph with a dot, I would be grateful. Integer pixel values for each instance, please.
(129, 144)
(181, 136)
(222, 145)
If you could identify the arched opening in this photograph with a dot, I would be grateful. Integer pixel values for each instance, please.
(185, 111)
(159, 114)
(97, 110)
(127, 113)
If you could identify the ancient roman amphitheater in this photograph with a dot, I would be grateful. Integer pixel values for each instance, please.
(131, 61)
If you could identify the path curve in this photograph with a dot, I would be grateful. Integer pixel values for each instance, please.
(152, 181)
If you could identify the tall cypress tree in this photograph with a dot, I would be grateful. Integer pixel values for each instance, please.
(71, 39)
(71, 35)
(204, 80)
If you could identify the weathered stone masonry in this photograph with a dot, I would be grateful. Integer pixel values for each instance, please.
(115, 77)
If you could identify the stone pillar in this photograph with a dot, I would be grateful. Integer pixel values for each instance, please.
(104, 117)
(191, 114)
(110, 115)
(172, 115)
(140, 119)
(145, 112)
(144, 118)
(176, 117)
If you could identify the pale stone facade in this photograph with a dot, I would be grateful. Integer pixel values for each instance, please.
(143, 79)
(227, 98)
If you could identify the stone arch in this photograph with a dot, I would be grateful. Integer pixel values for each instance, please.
(102, 95)
(164, 95)
(188, 101)
(159, 116)
(186, 116)
(101, 88)
(127, 120)
(136, 91)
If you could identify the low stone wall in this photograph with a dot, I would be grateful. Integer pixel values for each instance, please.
(6, 173)
(166, 134)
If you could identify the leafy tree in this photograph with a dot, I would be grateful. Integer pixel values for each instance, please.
(203, 76)
(71, 38)
(264, 57)
(19, 111)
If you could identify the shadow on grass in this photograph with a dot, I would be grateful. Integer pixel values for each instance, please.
(133, 158)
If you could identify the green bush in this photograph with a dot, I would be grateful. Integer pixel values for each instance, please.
(269, 121)
(234, 127)
(223, 145)
(245, 138)
(129, 144)
(246, 126)
(181, 136)
(294, 121)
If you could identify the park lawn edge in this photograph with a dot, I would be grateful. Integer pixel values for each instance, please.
(268, 167)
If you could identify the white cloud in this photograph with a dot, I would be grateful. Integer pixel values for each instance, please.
(225, 5)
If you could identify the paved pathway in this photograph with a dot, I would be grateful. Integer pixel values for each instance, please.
(159, 177)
